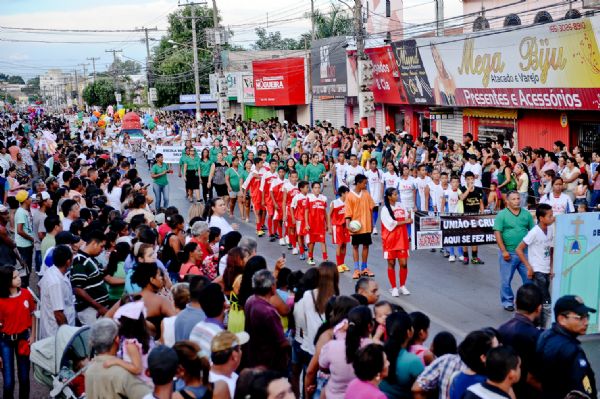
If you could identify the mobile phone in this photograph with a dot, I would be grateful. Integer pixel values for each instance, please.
(283, 255)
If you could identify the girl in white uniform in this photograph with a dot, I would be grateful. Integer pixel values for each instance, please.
(375, 186)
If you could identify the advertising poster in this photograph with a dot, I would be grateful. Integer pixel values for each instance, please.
(279, 82)
(577, 260)
(246, 89)
(171, 153)
(452, 230)
(386, 87)
(549, 66)
(328, 67)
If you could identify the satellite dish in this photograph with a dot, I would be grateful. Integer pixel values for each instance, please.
(480, 23)
(542, 17)
(512, 20)
(573, 14)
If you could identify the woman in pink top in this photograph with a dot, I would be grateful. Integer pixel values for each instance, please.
(337, 355)
(370, 366)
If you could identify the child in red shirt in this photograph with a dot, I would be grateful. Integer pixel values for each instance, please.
(276, 194)
(319, 220)
(337, 228)
(299, 208)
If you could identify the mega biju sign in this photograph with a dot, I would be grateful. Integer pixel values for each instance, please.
(550, 66)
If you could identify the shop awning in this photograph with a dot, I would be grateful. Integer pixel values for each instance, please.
(491, 113)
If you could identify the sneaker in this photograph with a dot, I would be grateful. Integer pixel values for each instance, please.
(281, 242)
(295, 251)
(509, 308)
(404, 290)
(311, 261)
(368, 273)
(341, 269)
(345, 266)
(287, 239)
(477, 261)
(452, 258)
(461, 258)
(445, 253)
(465, 260)
(289, 247)
(395, 292)
(302, 257)
(432, 250)
(260, 233)
(374, 230)
(272, 238)
(356, 274)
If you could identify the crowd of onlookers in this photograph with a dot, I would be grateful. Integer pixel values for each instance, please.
(182, 306)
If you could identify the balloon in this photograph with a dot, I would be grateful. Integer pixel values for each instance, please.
(121, 113)
(96, 114)
(94, 118)
(155, 119)
(120, 107)
(101, 123)
(80, 115)
(151, 125)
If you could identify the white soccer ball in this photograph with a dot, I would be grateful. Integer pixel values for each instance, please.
(354, 226)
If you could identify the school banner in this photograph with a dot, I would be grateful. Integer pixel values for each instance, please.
(576, 264)
(546, 66)
(430, 230)
(171, 153)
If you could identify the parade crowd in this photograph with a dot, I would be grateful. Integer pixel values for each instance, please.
(182, 306)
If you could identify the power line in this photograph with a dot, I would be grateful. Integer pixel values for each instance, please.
(73, 30)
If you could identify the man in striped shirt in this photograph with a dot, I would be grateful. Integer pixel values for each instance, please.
(87, 280)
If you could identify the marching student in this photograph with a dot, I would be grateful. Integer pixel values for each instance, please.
(375, 185)
(267, 200)
(299, 209)
(319, 220)
(290, 189)
(394, 236)
(451, 203)
(359, 207)
(337, 227)
(276, 194)
(252, 183)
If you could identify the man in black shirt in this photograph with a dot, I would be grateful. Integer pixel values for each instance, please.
(472, 198)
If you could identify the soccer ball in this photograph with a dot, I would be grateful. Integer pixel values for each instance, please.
(354, 226)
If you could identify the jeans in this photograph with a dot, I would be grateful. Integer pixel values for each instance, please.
(595, 198)
(38, 260)
(507, 271)
(8, 352)
(542, 280)
(161, 194)
(455, 251)
(523, 197)
(27, 256)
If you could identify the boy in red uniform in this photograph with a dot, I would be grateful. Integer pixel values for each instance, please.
(299, 208)
(394, 236)
(267, 201)
(337, 228)
(253, 184)
(319, 220)
(290, 189)
(276, 195)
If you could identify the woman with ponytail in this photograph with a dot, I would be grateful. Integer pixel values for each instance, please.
(394, 235)
(337, 355)
(193, 371)
(405, 367)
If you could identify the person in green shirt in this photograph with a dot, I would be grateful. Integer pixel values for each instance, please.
(191, 167)
(234, 182)
(301, 166)
(510, 227)
(227, 156)
(160, 183)
(115, 272)
(204, 166)
(315, 170)
(215, 150)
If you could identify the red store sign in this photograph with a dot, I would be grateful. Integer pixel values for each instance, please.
(386, 76)
(279, 82)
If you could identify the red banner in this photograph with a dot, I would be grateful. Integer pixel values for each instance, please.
(279, 82)
(386, 87)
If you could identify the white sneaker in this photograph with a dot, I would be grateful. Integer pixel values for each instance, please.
(287, 240)
(404, 291)
(395, 292)
(375, 230)
(281, 241)
(295, 251)
(452, 258)
(461, 258)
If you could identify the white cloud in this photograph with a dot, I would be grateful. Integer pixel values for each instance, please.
(18, 57)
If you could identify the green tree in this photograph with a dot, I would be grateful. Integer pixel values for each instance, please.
(33, 87)
(172, 60)
(16, 79)
(337, 22)
(274, 41)
(127, 67)
(101, 92)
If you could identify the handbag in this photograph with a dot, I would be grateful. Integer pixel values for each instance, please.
(236, 316)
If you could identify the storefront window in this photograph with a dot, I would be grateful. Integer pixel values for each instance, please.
(589, 137)
(491, 129)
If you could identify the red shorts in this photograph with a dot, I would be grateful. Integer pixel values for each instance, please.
(316, 238)
(395, 254)
(301, 228)
(340, 234)
(277, 215)
(270, 208)
(257, 204)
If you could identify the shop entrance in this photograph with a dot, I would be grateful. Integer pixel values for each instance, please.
(490, 129)
(589, 137)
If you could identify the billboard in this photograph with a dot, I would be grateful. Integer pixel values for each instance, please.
(279, 82)
(233, 81)
(328, 67)
(387, 88)
(246, 89)
(549, 66)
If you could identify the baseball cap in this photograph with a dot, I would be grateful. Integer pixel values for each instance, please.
(162, 364)
(571, 303)
(67, 238)
(22, 195)
(227, 340)
(43, 196)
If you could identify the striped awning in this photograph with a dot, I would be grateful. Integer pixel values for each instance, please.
(492, 113)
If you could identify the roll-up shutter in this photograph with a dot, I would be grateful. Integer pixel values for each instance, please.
(330, 110)
(451, 128)
(379, 119)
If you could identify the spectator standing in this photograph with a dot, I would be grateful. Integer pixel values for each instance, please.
(24, 234)
(8, 254)
(39, 215)
(560, 202)
(226, 356)
(57, 303)
(212, 301)
(370, 366)
(503, 368)
(162, 367)
(472, 199)
(368, 288)
(160, 181)
(510, 227)
(193, 313)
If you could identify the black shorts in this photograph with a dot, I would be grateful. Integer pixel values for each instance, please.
(221, 190)
(362, 239)
(192, 180)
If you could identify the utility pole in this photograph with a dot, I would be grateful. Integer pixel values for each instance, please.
(76, 87)
(115, 72)
(218, 65)
(195, 49)
(93, 59)
(312, 19)
(365, 70)
(79, 98)
(148, 62)
(439, 17)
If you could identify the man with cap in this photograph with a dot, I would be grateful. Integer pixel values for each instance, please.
(24, 234)
(162, 367)
(226, 356)
(563, 365)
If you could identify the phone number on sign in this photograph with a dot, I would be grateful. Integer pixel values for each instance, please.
(567, 27)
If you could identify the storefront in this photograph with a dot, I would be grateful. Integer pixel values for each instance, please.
(487, 124)
(280, 86)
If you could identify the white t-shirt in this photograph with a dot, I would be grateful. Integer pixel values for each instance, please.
(452, 199)
(477, 171)
(375, 184)
(406, 188)
(390, 180)
(436, 192)
(221, 223)
(421, 183)
(231, 381)
(340, 173)
(351, 172)
(55, 294)
(539, 245)
(560, 205)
